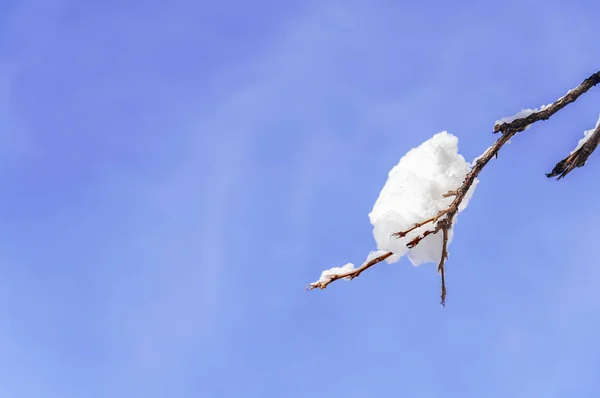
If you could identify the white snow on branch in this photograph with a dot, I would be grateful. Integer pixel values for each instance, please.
(586, 136)
(414, 193)
(327, 274)
(474, 162)
(374, 254)
(568, 92)
(523, 113)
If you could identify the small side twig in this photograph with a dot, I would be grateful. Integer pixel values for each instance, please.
(402, 234)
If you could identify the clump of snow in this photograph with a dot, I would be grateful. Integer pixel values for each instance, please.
(523, 113)
(328, 273)
(414, 192)
(586, 136)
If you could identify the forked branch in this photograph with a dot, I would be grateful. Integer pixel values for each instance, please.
(444, 219)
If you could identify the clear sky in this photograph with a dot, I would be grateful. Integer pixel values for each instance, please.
(173, 173)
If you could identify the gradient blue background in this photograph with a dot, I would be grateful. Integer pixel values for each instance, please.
(174, 173)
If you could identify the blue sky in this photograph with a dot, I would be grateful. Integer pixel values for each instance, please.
(174, 173)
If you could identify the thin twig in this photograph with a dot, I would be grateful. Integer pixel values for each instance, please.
(449, 194)
(350, 274)
(441, 268)
(402, 234)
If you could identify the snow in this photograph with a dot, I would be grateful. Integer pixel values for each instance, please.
(414, 192)
(519, 115)
(586, 136)
(327, 274)
(523, 113)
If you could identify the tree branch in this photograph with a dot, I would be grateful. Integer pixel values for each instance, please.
(578, 157)
(521, 124)
(444, 219)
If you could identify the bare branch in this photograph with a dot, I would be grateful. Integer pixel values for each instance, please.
(521, 124)
(578, 157)
(444, 219)
(350, 274)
